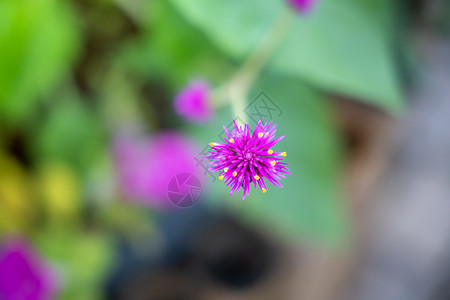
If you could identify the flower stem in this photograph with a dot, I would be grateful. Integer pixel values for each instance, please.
(236, 89)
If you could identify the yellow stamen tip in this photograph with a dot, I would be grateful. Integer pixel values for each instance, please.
(260, 135)
(284, 154)
(225, 170)
(256, 177)
(273, 163)
(211, 144)
(231, 140)
(264, 191)
(270, 151)
(221, 177)
(234, 174)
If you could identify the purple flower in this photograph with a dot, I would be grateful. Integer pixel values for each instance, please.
(247, 157)
(23, 274)
(193, 102)
(302, 6)
(146, 165)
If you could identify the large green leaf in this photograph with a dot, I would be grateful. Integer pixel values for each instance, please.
(171, 49)
(342, 47)
(38, 40)
(309, 206)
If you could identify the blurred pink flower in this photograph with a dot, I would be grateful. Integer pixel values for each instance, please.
(194, 103)
(23, 274)
(146, 165)
(302, 6)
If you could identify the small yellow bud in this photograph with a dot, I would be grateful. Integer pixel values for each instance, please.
(234, 174)
(270, 151)
(256, 177)
(284, 154)
(231, 140)
(225, 170)
(221, 177)
(260, 135)
(264, 191)
(211, 144)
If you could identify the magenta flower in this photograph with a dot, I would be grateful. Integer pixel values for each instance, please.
(193, 102)
(23, 273)
(302, 6)
(245, 158)
(145, 165)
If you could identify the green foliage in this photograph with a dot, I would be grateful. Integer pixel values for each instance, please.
(342, 47)
(38, 41)
(81, 260)
(128, 71)
(71, 133)
(172, 48)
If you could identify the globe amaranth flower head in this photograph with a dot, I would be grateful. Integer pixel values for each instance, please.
(247, 158)
(302, 6)
(23, 273)
(194, 102)
(146, 164)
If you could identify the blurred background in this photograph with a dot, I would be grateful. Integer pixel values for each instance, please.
(107, 109)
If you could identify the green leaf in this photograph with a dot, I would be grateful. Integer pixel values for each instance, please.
(172, 49)
(82, 260)
(70, 133)
(341, 47)
(38, 40)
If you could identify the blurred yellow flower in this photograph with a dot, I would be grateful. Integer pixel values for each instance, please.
(59, 189)
(16, 207)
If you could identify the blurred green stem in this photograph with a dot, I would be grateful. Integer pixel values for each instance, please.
(236, 89)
